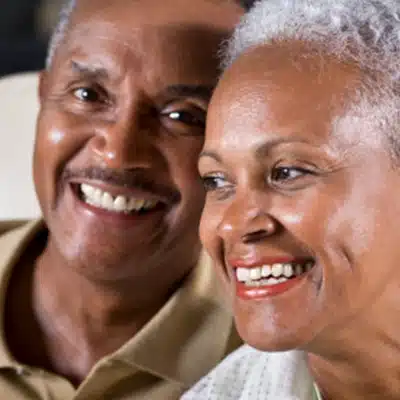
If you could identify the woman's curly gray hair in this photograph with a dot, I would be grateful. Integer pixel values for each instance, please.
(364, 32)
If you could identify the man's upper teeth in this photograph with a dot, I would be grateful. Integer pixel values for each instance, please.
(120, 203)
(274, 271)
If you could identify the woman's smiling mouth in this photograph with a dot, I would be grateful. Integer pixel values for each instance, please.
(263, 279)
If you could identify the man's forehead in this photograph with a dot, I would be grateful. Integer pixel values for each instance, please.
(176, 47)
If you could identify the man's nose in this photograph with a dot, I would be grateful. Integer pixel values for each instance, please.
(128, 141)
(247, 220)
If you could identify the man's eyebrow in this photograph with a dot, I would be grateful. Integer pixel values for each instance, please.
(89, 71)
(202, 92)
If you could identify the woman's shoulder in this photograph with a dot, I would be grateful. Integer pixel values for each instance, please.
(250, 374)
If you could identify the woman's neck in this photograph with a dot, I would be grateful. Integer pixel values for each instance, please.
(362, 361)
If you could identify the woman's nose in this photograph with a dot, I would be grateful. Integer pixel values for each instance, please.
(247, 222)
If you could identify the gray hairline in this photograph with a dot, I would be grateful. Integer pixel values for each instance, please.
(361, 32)
(60, 30)
(62, 26)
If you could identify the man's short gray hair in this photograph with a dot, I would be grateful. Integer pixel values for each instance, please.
(64, 22)
(363, 32)
(60, 30)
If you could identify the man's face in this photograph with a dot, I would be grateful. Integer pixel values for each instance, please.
(120, 128)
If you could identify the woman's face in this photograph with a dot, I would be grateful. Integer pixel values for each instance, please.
(302, 201)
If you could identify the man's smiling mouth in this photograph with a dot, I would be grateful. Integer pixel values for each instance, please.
(120, 203)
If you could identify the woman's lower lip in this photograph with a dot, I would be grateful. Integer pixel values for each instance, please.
(259, 292)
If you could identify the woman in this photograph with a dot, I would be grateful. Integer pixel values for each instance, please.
(301, 169)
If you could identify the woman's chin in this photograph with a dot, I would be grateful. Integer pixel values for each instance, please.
(274, 338)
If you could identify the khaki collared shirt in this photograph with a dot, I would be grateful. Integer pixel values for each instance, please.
(180, 344)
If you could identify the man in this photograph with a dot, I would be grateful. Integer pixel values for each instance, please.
(110, 297)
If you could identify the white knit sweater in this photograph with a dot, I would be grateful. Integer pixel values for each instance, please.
(249, 374)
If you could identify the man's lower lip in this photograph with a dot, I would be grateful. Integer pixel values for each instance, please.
(259, 292)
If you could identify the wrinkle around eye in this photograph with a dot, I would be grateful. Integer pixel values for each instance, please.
(188, 118)
(90, 93)
(86, 94)
(184, 116)
(300, 179)
(85, 98)
(217, 187)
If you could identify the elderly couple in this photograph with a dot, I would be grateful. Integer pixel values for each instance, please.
(111, 296)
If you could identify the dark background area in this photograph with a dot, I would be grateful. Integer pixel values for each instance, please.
(25, 27)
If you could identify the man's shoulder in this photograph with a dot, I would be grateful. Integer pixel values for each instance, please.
(14, 234)
(7, 227)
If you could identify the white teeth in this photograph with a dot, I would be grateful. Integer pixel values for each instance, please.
(271, 274)
(97, 197)
(288, 270)
(277, 270)
(107, 201)
(87, 190)
(120, 203)
(255, 274)
(272, 281)
(266, 271)
(243, 274)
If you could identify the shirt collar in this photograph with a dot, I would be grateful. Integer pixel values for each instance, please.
(18, 234)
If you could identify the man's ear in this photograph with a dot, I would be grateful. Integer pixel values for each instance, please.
(42, 87)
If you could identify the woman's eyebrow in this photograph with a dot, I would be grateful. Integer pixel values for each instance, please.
(211, 154)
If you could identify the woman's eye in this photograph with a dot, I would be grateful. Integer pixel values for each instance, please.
(281, 174)
(87, 94)
(197, 119)
(212, 183)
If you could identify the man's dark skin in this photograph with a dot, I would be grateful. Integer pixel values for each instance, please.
(122, 110)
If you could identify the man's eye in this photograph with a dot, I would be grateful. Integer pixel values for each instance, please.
(280, 174)
(87, 94)
(189, 118)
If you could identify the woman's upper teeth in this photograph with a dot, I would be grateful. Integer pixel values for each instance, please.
(102, 199)
(286, 270)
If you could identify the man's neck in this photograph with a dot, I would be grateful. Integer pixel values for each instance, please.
(80, 321)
